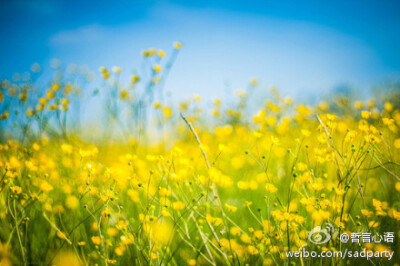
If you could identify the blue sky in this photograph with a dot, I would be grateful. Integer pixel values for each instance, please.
(298, 46)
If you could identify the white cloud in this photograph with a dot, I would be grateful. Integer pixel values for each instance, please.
(85, 34)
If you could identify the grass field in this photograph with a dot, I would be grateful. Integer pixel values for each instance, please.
(192, 184)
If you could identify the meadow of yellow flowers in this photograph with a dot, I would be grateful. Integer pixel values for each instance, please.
(153, 183)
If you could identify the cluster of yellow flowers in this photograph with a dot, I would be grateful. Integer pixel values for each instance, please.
(226, 188)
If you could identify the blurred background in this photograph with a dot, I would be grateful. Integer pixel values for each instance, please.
(299, 46)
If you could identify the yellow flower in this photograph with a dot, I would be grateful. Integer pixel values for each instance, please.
(397, 143)
(252, 250)
(96, 240)
(260, 116)
(247, 203)
(301, 166)
(35, 146)
(177, 45)
(273, 107)
(124, 95)
(397, 186)
(373, 224)
(117, 70)
(61, 235)
(305, 132)
(127, 239)
(63, 107)
(157, 68)
(23, 96)
(66, 148)
(157, 105)
(91, 152)
(72, 202)
(55, 86)
(42, 101)
(30, 112)
(371, 103)
(68, 88)
(320, 215)
(224, 131)
(16, 190)
(178, 205)
(135, 79)
(39, 107)
(112, 231)
(235, 231)
(331, 117)
(303, 110)
(367, 213)
(119, 251)
(106, 75)
(53, 107)
(231, 207)
(245, 238)
(4, 115)
(271, 120)
(288, 100)
(387, 121)
(254, 82)
(45, 187)
(50, 94)
(270, 188)
(167, 112)
(365, 114)
(323, 105)
(388, 106)
(160, 53)
(65, 101)
(165, 213)
(358, 105)
(394, 214)
(372, 139)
